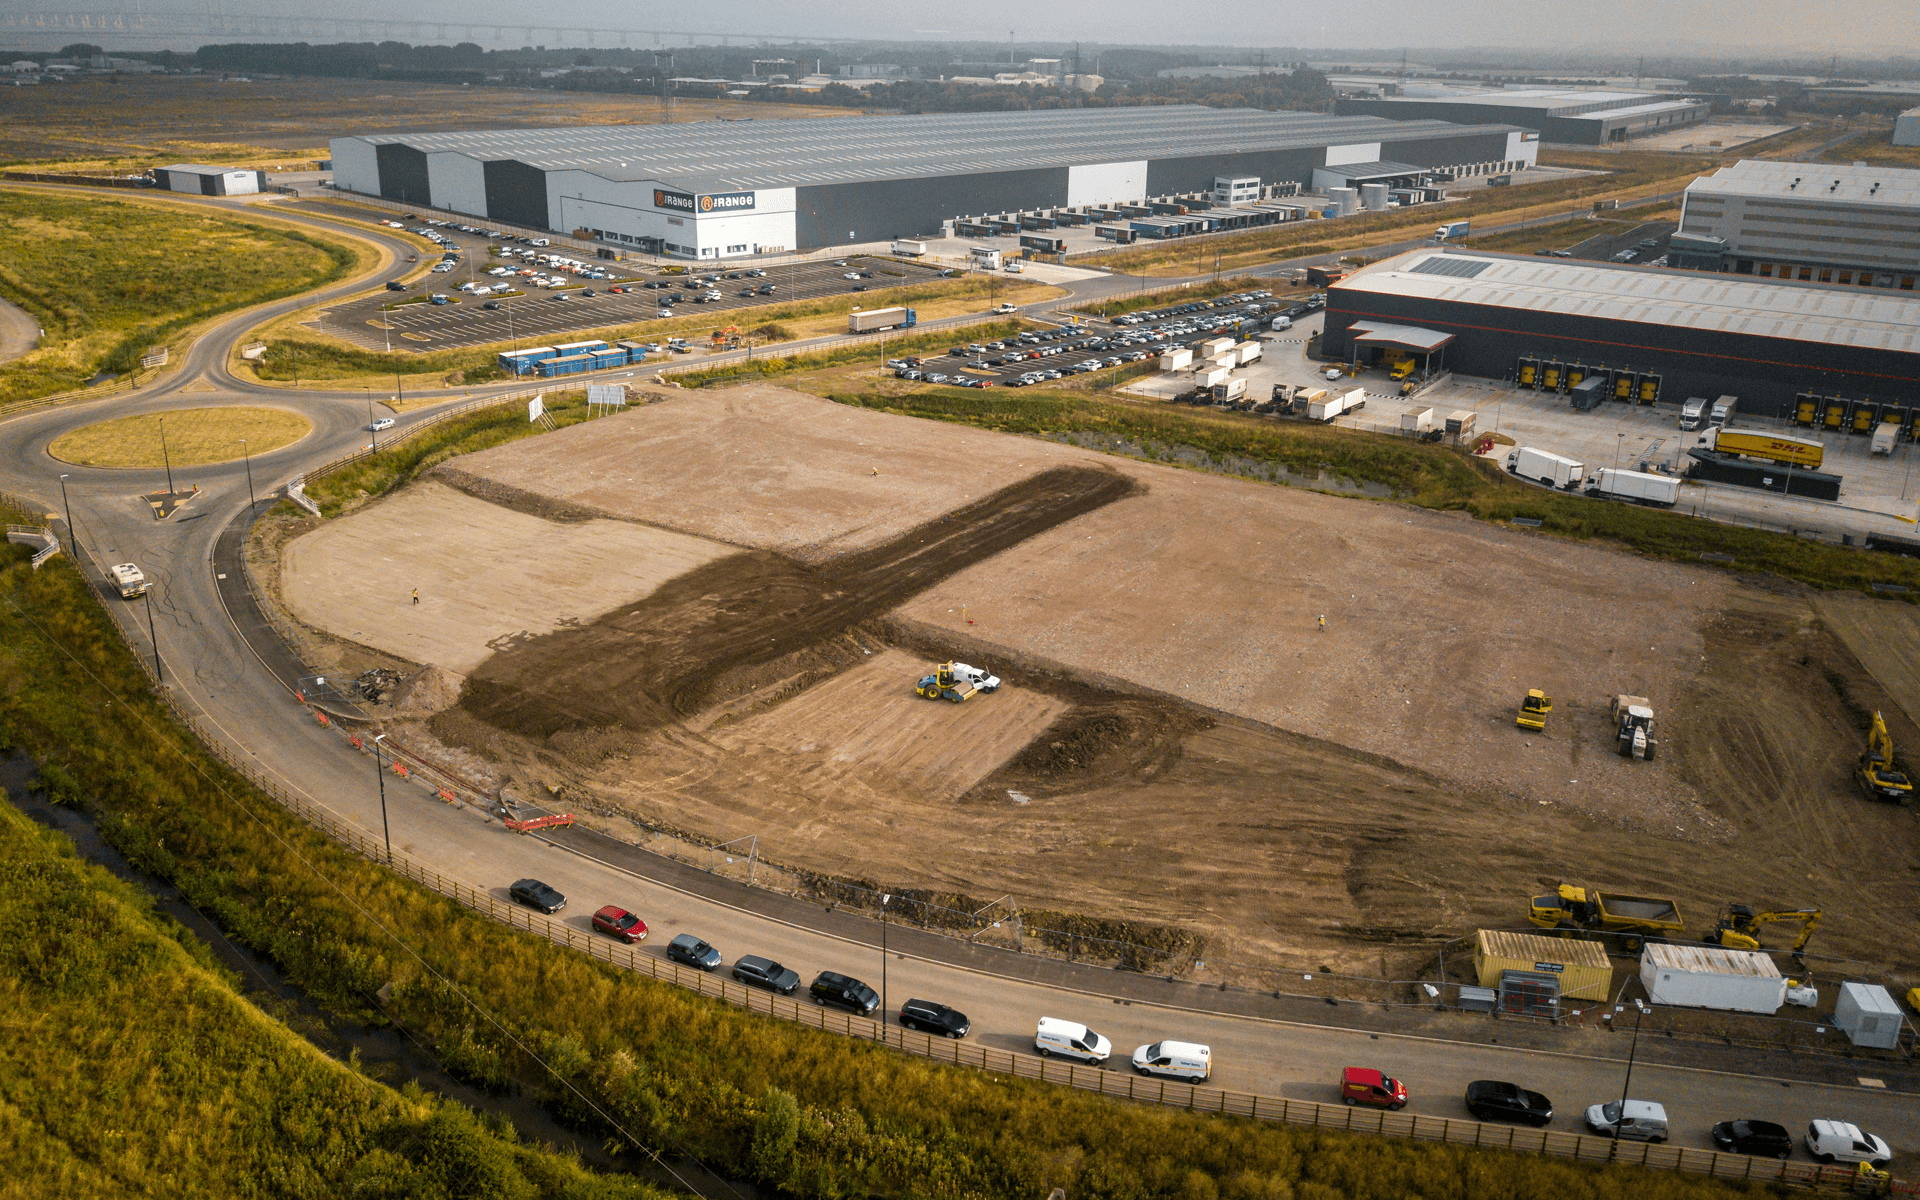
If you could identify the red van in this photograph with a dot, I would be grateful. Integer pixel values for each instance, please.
(1360, 1085)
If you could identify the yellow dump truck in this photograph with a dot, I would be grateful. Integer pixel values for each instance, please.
(1637, 919)
(1785, 449)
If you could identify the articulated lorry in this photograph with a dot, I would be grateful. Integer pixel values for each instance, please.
(1453, 229)
(1659, 491)
(1785, 449)
(879, 318)
(1550, 469)
(1637, 919)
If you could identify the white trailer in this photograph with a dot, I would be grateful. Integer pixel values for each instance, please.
(1460, 422)
(1176, 360)
(1230, 390)
(1356, 399)
(1712, 977)
(910, 249)
(1641, 488)
(1212, 376)
(1418, 421)
(1247, 351)
(1883, 437)
(1213, 346)
(1330, 407)
(1550, 469)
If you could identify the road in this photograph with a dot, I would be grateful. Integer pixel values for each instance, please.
(1263, 1045)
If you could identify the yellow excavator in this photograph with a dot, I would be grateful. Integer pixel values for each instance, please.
(1739, 929)
(1533, 710)
(1875, 774)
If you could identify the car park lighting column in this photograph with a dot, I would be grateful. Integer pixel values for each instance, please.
(1639, 1012)
(380, 775)
(248, 456)
(884, 898)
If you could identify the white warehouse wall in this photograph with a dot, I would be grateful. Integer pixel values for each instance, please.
(1906, 128)
(583, 200)
(1107, 183)
(355, 166)
(457, 182)
(1364, 152)
(1523, 146)
(240, 183)
(183, 181)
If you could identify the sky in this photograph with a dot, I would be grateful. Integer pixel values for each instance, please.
(1873, 28)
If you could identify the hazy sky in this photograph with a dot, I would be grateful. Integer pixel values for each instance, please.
(1872, 28)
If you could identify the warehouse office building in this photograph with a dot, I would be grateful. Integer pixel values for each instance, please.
(1571, 116)
(210, 181)
(1856, 226)
(1764, 340)
(716, 189)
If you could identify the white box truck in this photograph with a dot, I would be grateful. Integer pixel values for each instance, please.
(1550, 469)
(1722, 410)
(1637, 486)
(1884, 437)
(1418, 421)
(1693, 413)
(910, 249)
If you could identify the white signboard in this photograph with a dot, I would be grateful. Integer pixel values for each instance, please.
(611, 394)
(535, 407)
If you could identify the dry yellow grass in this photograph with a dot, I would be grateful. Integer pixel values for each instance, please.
(194, 437)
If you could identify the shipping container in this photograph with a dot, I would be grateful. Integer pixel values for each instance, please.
(1869, 1016)
(572, 364)
(1712, 977)
(586, 347)
(615, 356)
(1580, 965)
(520, 362)
(1230, 390)
(1587, 394)
(1212, 346)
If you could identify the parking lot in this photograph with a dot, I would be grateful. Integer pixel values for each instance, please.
(547, 303)
(1041, 356)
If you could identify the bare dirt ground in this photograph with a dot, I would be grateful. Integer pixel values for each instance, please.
(1885, 636)
(487, 575)
(1184, 746)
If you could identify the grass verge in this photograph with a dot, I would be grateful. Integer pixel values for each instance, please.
(1430, 476)
(194, 437)
(804, 1113)
(876, 350)
(107, 277)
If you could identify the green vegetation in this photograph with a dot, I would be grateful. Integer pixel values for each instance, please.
(875, 349)
(1180, 295)
(1564, 235)
(1427, 475)
(106, 278)
(130, 1064)
(293, 359)
(808, 1114)
(193, 436)
(411, 457)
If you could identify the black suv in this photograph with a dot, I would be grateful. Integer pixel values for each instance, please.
(537, 895)
(1760, 1138)
(928, 1017)
(1488, 1100)
(690, 950)
(755, 971)
(844, 991)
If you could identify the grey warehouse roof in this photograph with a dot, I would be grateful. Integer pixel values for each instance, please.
(1553, 102)
(202, 169)
(1812, 183)
(725, 155)
(1610, 291)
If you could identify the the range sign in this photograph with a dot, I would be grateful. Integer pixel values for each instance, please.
(678, 201)
(726, 202)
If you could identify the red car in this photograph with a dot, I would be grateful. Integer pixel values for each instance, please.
(618, 922)
(1360, 1085)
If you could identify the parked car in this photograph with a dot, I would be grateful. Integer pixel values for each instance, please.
(1843, 1141)
(755, 971)
(1762, 1139)
(1186, 1061)
(615, 921)
(1643, 1121)
(766, 289)
(1375, 1089)
(929, 1017)
(491, 305)
(394, 285)
(1490, 1100)
(531, 892)
(1069, 1039)
(688, 949)
(382, 423)
(844, 991)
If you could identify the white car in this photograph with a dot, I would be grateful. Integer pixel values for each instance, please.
(1334, 375)
(382, 423)
(1841, 1141)
(1005, 308)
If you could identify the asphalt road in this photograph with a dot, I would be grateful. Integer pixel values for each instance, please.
(217, 675)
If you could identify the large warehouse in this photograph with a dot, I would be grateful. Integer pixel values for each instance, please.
(1855, 226)
(1570, 116)
(1704, 335)
(714, 189)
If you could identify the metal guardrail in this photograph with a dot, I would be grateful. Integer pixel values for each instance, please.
(125, 383)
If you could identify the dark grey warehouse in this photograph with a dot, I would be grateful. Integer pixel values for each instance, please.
(1767, 342)
(716, 189)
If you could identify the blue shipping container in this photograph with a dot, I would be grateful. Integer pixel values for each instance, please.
(572, 364)
(603, 359)
(581, 347)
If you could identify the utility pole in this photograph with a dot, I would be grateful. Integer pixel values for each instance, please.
(164, 456)
(147, 595)
(69, 507)
(884, 898)
(1620, 1118)
(246, 454)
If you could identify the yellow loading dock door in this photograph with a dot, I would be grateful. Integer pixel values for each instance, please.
(1581, 966)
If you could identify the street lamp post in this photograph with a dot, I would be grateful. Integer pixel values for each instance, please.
(375, 433)
(884, 898)
(1618, 440)
(68, 506)
(1640, 1011)
(248, 456)
(380, 774)
(164, 456)
(152, 636)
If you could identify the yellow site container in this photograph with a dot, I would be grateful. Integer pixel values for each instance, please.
(1581, 965)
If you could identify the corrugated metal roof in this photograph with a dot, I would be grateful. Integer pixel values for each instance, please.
(1878, 319)
(1411, 337)
(724, 155)
(1711, 960)
(202, 169)
(1534, 947)
(1812, 183)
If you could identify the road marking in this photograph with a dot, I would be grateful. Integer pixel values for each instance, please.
(1872, 1083)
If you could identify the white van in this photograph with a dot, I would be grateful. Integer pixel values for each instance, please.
(1283, 321)
(1644, 1121)
(1069, 1039)
(1175, 1060)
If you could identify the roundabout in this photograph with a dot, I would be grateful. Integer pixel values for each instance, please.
(184, 437)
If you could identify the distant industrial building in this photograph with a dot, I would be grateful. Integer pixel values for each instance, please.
(1581, 117)
(716, 189)
(1766, 341)
(1856, 226)
(1906, 128)
(209, 181)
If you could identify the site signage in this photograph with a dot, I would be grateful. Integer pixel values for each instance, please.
(726, 202)
(1547, 968)
(677, 201)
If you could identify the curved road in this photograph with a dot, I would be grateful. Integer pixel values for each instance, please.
(1264, 1045)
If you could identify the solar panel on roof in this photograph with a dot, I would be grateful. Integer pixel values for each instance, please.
(1459, 268)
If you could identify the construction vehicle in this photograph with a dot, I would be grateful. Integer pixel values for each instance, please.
(1533, 710)
(955, 682)
(1633, 726)
(1875, 774)
(1739, 929)
(129, 579)
(1638, 919)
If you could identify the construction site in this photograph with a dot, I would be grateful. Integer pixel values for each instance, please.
(1293, 727)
